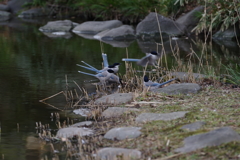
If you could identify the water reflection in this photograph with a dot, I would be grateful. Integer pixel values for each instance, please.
(33, 66)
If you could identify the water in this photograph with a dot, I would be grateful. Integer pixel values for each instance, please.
(33, 66)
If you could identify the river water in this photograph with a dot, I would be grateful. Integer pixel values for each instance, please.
(33, 66)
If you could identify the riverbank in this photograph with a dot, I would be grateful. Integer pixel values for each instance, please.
(160, 124)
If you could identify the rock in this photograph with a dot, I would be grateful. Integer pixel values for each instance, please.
(65, 35)
(82, 111)
(4, 15)
(4, 7)
(145, 117)
(34, 12)
(94, 27)
(182, 88)
(123, 133)
(116, 98)
(149, 27)
(193, 126)
(69, 132)
(212, 138)
(229, 34)
(116, 111)
(112, 153)
(190, 20)
(183, 76)
(57, 26)
(16, 5)
(82, 124)
(124, 32)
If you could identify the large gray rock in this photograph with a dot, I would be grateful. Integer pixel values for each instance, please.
(149, 27)
(145, 117)
(182, 88)
(116, 98)
(229, 34)
(193, 126)
(82, 124)
(4, 15)
(94, 27)
(4, 7)
(116, 111)
(212, 138)
(65, 35)
(82, 112)
(57, 26)
(69, 132)
(123, 133)
(190, 20)
(34, 12)
(112, 153)
(17, 5)
(124, 32)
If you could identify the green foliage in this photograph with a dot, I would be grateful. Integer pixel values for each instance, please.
(234, 73)
(128, 10)
(219, 14)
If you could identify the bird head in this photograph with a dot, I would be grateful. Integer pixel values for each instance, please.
(114, 65)
(154, 52)
(145, 78)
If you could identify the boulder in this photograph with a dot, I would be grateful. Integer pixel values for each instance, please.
(193, 126)
(94, 27)
(65, 35)
(212, 138)
(116, 98)
(149, 27)
(17, 5)
(113, 153)
(4, 15)
(124, 32)
(123, 133)
(145, 117)
(34, 12)
(190, 20)
(4, 7)
(57, 26)
(229, 34)
(82, 112)
(82, 124)
(116, 111)
(69, 132)
(182, 88)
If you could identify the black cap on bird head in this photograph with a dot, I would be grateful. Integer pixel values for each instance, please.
(114, 64)
(145, 78)
(154, 52)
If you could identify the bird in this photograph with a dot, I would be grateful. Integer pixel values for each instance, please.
(153, 85)
(105, 76)
(150, 59)
(114, 67)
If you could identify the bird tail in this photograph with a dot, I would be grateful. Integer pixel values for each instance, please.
(89, 65)
(87, 73)
(91, 69)
(166, 82)
(130, 60)
(105, 60)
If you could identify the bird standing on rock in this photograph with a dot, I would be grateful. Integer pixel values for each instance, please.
(153, 85)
